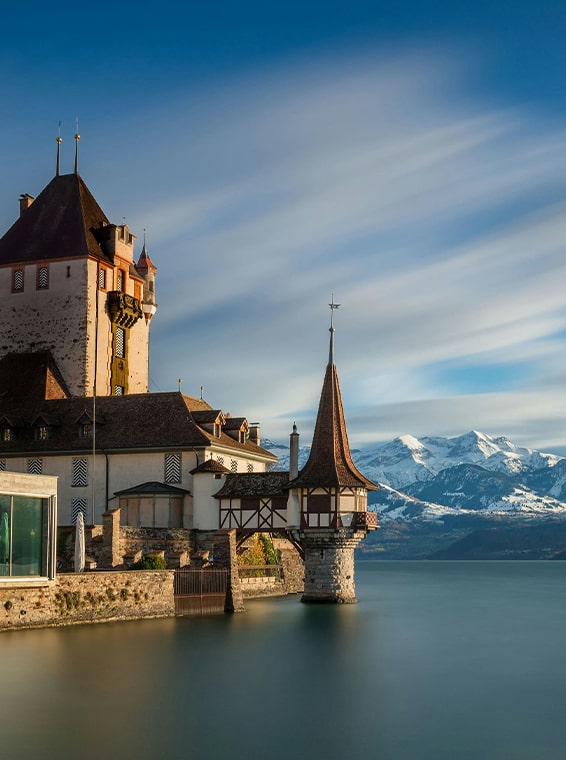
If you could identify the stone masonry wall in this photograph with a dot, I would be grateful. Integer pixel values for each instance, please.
(89, 598)
(292, 566)
(329, 564)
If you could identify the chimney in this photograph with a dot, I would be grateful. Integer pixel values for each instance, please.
(25, 202)
(293, 453)
(253, 433)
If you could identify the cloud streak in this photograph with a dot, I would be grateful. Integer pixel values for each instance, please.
(437, 220)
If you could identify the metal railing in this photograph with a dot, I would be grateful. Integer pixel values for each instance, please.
(260, 571)
(199, 591)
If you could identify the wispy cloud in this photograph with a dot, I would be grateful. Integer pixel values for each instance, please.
(437, 219)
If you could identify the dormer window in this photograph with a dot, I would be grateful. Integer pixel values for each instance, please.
(42, 429)
(217, 429)
(85, 429)
(242, 436)
(7, 433)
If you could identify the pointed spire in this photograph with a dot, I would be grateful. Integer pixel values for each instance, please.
(59, 141)
(330, 463)
(333, 306)
(145, 264)
(77, 138)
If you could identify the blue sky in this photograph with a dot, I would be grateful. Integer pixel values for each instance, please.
(409, 157)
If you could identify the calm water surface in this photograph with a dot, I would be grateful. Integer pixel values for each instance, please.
(438, 660)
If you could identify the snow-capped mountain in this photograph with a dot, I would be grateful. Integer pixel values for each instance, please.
(434, 477)
(407, 460)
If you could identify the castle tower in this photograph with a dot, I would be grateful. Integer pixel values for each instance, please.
(332, 495)
(69, 286)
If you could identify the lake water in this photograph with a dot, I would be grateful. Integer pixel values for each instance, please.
(438, 660)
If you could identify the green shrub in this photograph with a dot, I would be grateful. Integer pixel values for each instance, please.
(150, 562)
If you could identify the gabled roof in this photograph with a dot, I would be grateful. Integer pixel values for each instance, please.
(254, 484)
(134, 422)
(60, 223)
(330, 461)
(30, 378)
(207, 416)
(152, 487)
(236, 423)
(210, 465)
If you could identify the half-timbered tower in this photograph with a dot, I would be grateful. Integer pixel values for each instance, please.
(332, 500)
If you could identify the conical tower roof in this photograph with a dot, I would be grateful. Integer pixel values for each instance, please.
(145, 264)
(330, 462)
(62, 222)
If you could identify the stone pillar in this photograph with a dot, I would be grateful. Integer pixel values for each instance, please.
(222, 545)
(111, 552)
(329, 564)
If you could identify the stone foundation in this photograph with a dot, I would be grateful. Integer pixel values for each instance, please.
(329, 564)
(88, 598)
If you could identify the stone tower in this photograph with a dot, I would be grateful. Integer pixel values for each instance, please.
(332, 496)
(69, 286)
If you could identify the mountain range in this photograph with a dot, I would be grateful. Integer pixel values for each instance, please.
(450, 487)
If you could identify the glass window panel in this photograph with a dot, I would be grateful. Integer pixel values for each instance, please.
(27, 535)
(5, 512)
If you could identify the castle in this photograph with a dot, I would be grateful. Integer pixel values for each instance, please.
(76, 310)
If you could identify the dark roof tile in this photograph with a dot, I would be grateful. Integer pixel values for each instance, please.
(330, 461)
(60, 223)
(258, 484)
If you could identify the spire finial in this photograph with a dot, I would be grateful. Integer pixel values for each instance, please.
(333, 306)
(77, 138)
(144, 248)
(59, 141)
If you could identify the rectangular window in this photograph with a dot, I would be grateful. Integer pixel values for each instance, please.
(42, 433)
(23, 520)
(17, 280)
(85, 429)
(78, 505)
(120, 342)
(120, 281)
(102, 278)
(35, 466)
(42, 281)
(250, 504)
(80, 473)
(172, 468)
(318, 503)
(7, 434)
(118, 390)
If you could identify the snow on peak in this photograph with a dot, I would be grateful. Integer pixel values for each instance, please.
(407, 459)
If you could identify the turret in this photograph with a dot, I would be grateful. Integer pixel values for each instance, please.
(147, 269)
(332, 496)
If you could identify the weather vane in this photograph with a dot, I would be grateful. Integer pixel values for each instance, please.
(332, 307)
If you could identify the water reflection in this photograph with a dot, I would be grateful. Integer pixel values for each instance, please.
(435, 662)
